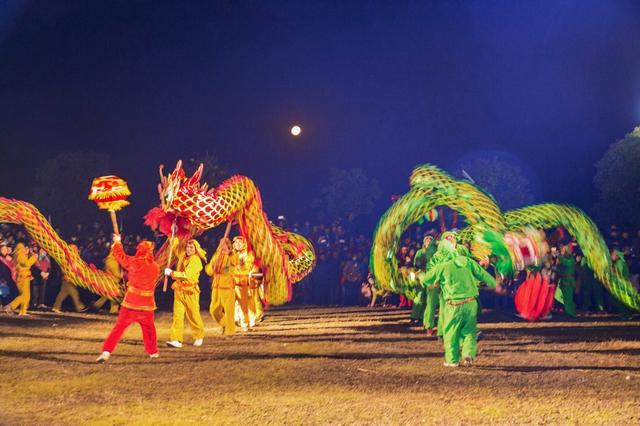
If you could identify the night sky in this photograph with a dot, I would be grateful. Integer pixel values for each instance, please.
(379, 85)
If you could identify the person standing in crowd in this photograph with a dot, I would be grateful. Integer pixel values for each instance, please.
(621, 269)
(321, 280)
(353, 275)
(591, 291)
(111, 266)
(67, 289)
(186, 293)
(24, 259)
(458, 275)
(424, 305)
(41, 277)
(223, 300)
(7, 272)
(566, 280)
(139, 301)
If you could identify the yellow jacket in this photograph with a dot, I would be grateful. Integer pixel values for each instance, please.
(23, 262)
(187, 274)
(221, 269)
(243, 265)
(188, 268)
(112, 266)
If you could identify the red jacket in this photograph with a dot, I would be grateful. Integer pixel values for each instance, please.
(143, 274)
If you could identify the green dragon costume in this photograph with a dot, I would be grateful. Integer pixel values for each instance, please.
(487, 230)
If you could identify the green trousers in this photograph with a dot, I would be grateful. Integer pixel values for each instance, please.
(441, 314)
(592, 295)
(567, 299)
(460, 331)
(417, 309)
(431, 305)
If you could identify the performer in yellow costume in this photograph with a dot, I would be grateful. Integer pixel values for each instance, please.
(243, 262)
(24, 260)
(256, 310)
(111, 266)
(67, 289)
(186, 293)
(223, 299)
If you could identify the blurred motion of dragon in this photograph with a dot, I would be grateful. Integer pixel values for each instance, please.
(430, 187)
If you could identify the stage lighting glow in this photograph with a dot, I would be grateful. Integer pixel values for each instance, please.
(296, 130)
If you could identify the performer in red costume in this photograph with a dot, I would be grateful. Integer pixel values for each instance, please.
(139, 303)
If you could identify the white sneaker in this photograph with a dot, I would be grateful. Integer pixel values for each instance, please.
(103, 357)
(245, 328)
(156, 355)
(446, 364)
(468, 361)
(198, 342)
(174, 344)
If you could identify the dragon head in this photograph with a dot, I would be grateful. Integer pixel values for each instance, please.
(176, 186)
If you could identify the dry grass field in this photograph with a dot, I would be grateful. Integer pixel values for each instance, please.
(306, 365)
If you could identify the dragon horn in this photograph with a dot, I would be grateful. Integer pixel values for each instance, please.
(163, 180)
(195, 179)
(177, 172)
(160, 194)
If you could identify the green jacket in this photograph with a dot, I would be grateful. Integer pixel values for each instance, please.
(458, 277)
(567, 270)
(620, 266)
(423, 256)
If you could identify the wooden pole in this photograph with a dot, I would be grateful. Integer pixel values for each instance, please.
(173, 233)
(114, 222)
(228, 229)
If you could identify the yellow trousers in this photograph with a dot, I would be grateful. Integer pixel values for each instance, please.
(113, 306)
(242, 296)
(222, 308)
(186, 304)
(68, 290)
(255, 307)
(22, 299)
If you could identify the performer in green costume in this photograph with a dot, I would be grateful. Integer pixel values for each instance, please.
(621, 269)
(424, 304)
(458, 275)
(591, 291)
(439, 257)
(566, 281)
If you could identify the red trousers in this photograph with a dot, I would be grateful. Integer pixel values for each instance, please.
(125, 318)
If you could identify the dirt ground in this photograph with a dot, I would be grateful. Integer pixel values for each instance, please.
(306, 365)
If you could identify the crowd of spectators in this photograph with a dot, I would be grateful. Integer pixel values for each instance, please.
(341, 275)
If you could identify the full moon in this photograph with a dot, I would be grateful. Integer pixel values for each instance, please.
(296, 130)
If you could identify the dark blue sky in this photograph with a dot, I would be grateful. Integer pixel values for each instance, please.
(378, 85)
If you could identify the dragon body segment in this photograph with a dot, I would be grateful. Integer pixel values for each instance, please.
(73, 267)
